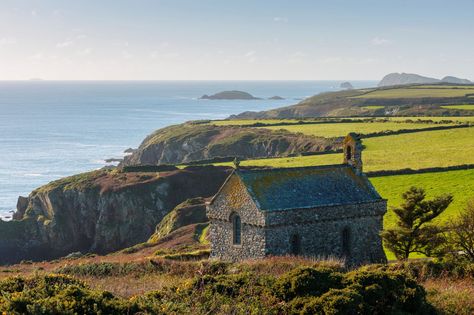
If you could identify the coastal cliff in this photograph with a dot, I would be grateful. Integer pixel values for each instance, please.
(190, 142)
(100, 211)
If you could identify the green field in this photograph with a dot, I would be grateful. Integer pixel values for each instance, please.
(245, 122)
(463, 119)
(458, 183)
(439, 148)
(418, 93)
(417, 150)
(342, 129)
(298, 161)
(373, 107)
(462, 107)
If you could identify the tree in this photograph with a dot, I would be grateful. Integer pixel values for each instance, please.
(461, 233)
(413, 234)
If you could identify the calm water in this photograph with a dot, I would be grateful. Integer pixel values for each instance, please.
(50, 130)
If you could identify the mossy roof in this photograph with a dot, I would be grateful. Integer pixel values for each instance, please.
(306, 187)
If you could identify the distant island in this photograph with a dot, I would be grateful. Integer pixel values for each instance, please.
(411, 78)
(346, 85)
(276, 97)
(230, 95)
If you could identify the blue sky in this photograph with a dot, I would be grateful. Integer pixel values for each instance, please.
(234, 40)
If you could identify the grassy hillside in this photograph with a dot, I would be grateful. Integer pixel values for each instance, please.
(342, 129)
(246, 122)
(458, 183)
(415, 100)
(419, 92)
(420, 150)
(463, 107)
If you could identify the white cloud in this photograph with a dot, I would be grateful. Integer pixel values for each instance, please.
(331, 60)
(37, 56)
(34, 13)
(297, 57)
(7, 41)
(126, 55)
(279, 19)
(377, 41)
(84, 52)
(64, 44)
(250, 56)
(250, 53)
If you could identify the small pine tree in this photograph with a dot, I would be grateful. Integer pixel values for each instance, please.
(413, 234)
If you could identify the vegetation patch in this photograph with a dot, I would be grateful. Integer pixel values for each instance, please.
(419, 92)
(420, 150)
(457, 183)
(342, 129)
(462, 107)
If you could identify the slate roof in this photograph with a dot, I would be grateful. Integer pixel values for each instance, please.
(306, 187)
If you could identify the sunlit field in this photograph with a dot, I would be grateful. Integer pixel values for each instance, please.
(420, 150)
(342, 129)
(416, 92)
(462, 107)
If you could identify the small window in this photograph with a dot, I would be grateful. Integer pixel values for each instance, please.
(348, 152)
(346, 242)
(295, 244)
(237, 229)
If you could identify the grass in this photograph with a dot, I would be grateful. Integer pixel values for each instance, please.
(297, 161)
(245, 122)
(342, 129)
(462, 107)
(458, 183)
(439, 148)
(418, 92)
(463, 119)
(451, 297)
(373, 107)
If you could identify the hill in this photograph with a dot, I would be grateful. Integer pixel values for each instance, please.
(393, 79)
(196, 142)
(409, 100)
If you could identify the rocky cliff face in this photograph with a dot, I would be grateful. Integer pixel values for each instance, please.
(187, 143)
(100, 211)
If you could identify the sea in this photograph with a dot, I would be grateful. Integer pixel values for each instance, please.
(52, 129)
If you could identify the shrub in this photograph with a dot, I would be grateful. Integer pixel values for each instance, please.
(57, 294)
(386, 292)
(306, 281)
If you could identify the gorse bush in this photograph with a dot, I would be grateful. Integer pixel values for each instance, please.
(306, 281)
(57, 294)
(223, 290)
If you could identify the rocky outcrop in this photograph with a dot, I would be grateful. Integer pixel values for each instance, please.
(192, 211)
(346, 86)
(276, 98)
(230, 95)
(189, 142)
(21, 206)
(100, 211)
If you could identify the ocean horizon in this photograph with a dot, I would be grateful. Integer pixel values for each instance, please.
(53, 129)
